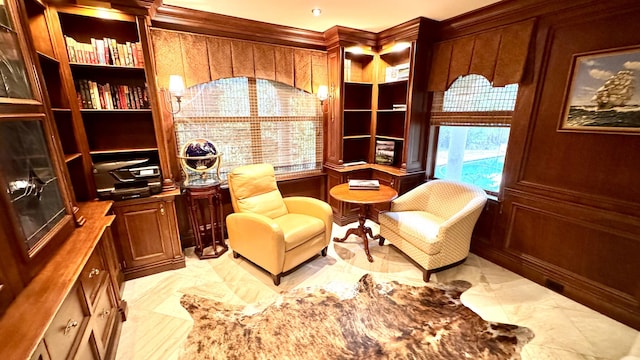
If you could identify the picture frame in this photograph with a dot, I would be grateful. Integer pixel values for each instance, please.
(601, 96)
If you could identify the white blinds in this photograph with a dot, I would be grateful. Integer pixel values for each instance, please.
(254, 121)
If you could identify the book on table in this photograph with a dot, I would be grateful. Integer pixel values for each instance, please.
(364, 185)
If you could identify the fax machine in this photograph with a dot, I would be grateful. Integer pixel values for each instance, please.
(126, 179)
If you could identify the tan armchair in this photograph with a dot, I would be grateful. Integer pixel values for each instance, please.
(432, 224)
(273, 232)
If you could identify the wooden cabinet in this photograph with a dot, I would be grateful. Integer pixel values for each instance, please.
(71, 306)
(147, 235)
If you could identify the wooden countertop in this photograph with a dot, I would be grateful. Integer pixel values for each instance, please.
(28, 317)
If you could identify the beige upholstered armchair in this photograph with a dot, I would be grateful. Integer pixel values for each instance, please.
(432, 223)
(273, 232)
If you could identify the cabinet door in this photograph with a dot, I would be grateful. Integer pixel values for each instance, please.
(145, 233)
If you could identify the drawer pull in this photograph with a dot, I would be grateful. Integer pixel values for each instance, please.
(93, 273)
(70, 325)
(162, 209)
(104, 313)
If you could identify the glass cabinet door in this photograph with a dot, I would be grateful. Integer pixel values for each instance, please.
(13, 76)
(29, 178)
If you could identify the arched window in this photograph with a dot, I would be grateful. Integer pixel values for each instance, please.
(472, 119)
(253, 121)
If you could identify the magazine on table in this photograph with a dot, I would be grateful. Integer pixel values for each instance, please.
(364, 185)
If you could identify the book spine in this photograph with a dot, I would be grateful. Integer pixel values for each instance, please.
(140, 54)
(95, 96)
(71, 48)
(134, 54)
(116, 54)
(121, 55)
(87, 94)
(100, 51)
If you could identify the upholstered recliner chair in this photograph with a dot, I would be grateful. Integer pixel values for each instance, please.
(432, 224)
(273, 232)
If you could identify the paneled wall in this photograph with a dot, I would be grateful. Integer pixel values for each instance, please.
(570, 211)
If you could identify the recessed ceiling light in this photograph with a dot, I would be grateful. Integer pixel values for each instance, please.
(316, 12)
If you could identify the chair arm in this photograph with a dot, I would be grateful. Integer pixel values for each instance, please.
(312, 207)
(462, 223)
(258, 238)
(414, 199)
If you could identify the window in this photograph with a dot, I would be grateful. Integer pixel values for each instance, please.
(253, 121)
(473, 119)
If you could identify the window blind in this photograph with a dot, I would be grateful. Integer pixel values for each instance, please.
(254, 121)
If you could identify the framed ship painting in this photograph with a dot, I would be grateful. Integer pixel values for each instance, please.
(601, 94)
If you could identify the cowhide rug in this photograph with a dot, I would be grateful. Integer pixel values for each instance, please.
(382, 321)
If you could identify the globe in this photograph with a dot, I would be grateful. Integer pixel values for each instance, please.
(200, 155)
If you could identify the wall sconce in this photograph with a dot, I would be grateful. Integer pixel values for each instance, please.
(176, 88)
(323, 93)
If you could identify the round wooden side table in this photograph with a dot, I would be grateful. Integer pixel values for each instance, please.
(364, 198)
(204, 200)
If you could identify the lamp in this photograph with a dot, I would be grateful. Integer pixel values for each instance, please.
(176, 88)
(323, 93)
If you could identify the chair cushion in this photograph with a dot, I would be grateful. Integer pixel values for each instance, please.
(298, 229)
(255, 190)
(420, 228)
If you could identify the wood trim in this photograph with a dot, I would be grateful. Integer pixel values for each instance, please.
(201, 22)
(340, 36)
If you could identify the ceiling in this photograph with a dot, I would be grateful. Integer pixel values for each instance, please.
(369, 15)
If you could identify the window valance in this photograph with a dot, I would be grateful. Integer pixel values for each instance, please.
(203, 58)
(499, 55)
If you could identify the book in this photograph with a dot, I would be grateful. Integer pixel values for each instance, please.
(364, 185)
(385, 152)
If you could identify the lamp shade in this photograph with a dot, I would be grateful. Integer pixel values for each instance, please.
(323, 92)
(176, 85)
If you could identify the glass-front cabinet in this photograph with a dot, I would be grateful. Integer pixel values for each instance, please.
(36, 213)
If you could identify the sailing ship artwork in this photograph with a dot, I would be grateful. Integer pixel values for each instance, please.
(603, 94)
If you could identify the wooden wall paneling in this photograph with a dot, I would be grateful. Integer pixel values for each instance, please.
(195, 59)
(242, 59)
(265, 61)
(333, 150)
(319, 72)
(581, 255)
(220, 64)
(592, 169)
(302, 64)
(285, 72)
(168, 59)
(512, 55)
(162, 119)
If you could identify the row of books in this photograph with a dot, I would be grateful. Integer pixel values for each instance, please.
(92, 95)
(105, 51)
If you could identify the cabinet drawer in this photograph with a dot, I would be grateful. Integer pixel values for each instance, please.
(104, 316)
(69, 322)
(384, 178)
(92, 276)
(87, 350)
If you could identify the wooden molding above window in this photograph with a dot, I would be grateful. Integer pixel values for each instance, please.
(499, 55)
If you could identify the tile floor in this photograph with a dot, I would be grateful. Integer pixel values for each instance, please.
(158, 325)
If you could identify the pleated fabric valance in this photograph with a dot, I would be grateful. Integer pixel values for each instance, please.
(203, 58)
(499, 55)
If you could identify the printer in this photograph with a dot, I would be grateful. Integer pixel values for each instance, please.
(126, 179)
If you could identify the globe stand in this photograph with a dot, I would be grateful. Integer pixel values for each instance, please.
(201, 164)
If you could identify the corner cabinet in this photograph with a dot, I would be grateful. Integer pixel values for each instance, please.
(147, 235)
(378, 124)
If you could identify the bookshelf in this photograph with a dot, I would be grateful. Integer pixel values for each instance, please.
(105, 110)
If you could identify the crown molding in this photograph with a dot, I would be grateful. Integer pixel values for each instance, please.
(195, 21)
